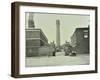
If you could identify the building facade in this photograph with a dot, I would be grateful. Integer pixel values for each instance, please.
(35, 39)
(80, 40)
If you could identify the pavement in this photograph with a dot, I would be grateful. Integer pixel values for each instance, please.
(58, 60)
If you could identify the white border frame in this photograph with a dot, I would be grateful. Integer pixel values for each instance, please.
(38, 70)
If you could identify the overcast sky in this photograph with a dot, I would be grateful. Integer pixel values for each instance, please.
(68, 23)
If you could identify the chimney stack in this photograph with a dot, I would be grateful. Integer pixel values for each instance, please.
(58, 33)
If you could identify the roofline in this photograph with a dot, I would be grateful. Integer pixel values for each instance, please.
(79, 29)
(37, 30)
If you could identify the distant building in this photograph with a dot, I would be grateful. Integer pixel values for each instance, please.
(80, 40)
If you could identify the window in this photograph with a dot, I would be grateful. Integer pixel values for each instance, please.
(85, 30)
(85, 33)
(85, 36)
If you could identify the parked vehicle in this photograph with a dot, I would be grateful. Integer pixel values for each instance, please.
(73, 53)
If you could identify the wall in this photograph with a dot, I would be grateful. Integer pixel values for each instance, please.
(5, 40)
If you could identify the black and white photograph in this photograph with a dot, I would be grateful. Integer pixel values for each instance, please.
(52, 39)
(56, 39)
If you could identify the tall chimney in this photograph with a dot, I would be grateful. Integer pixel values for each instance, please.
(31, 21)
(58, 33)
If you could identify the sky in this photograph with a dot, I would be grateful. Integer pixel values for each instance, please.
(68, 24)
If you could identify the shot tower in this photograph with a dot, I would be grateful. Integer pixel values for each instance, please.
(58, 34)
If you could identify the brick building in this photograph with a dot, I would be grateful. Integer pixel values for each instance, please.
(35, 39)
(80, 40)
